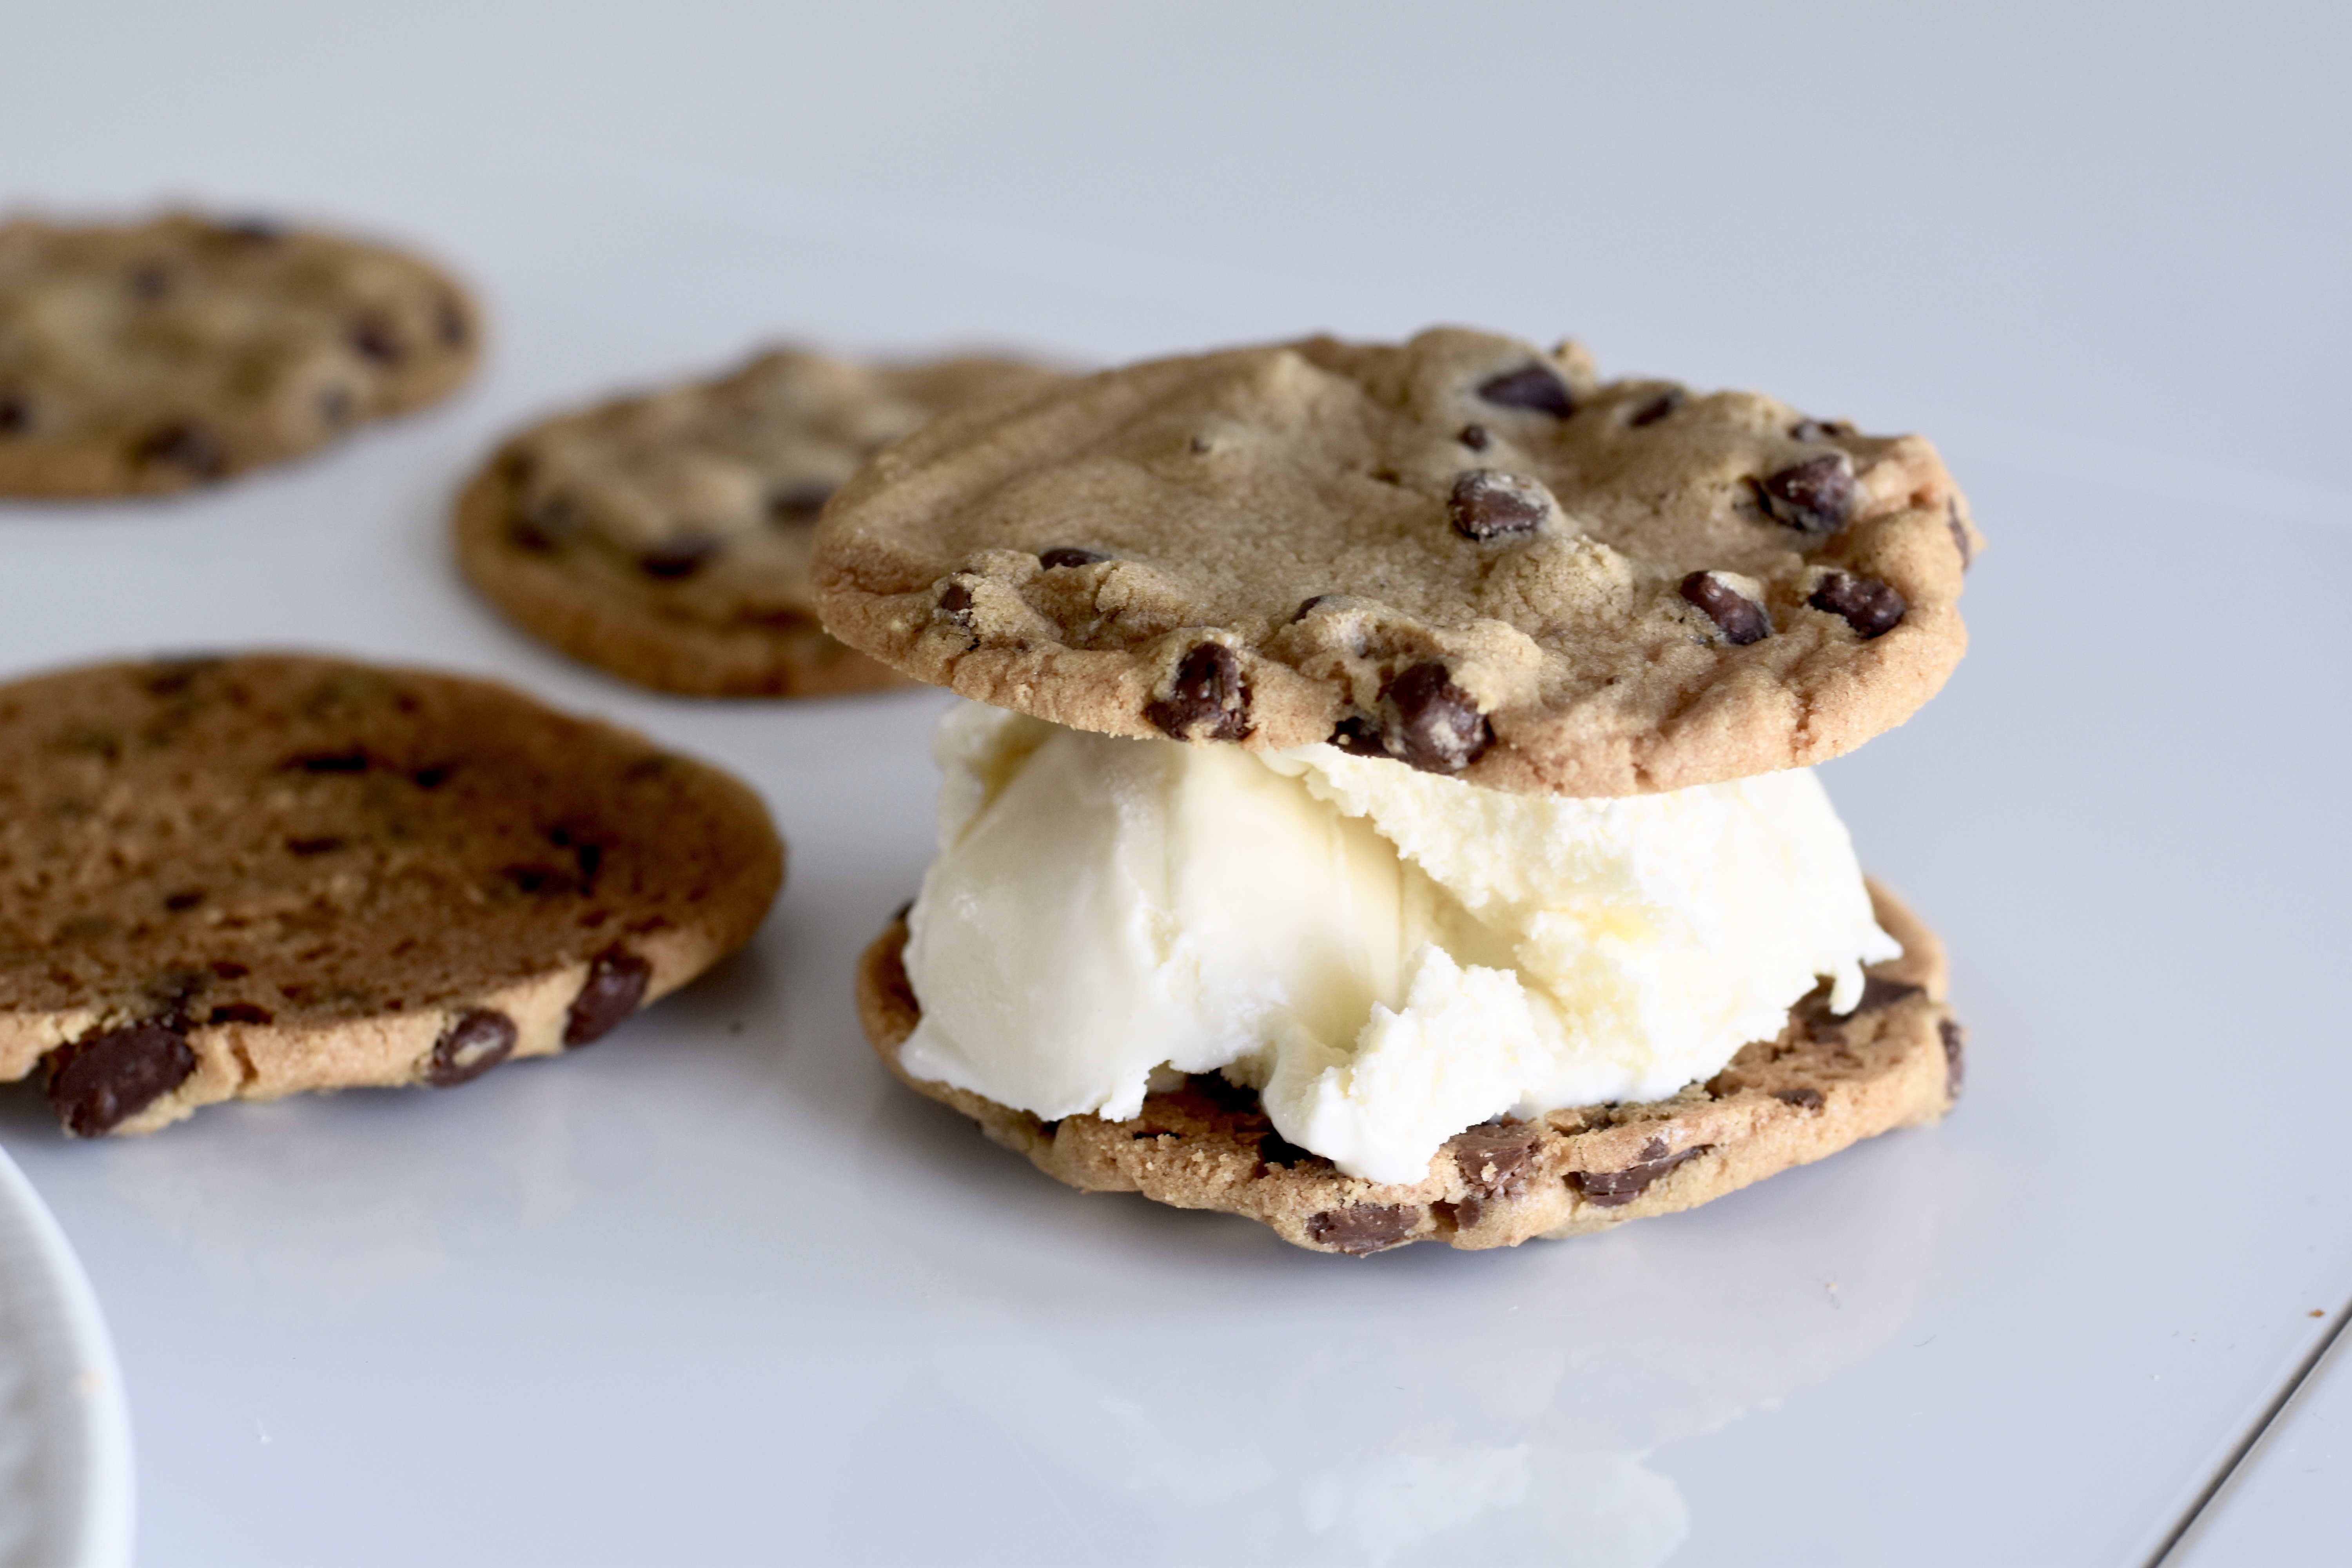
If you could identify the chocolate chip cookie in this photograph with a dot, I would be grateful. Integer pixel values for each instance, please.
(666, 537)
(147, 357)
(1823, 1083)
(1464, 554)
(251, 877)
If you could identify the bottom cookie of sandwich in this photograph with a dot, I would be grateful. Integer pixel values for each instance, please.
(1823, 1083)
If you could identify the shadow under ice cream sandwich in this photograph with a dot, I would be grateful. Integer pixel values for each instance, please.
(1388, 818)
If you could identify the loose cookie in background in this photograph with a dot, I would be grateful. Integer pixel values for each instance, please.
(252, 877)
(1462, 553)
(666, 537)
(1826, 1082)
(142, 357)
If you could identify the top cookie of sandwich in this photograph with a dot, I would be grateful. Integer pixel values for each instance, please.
(156, 356)
(666, 537)
(1463, 552)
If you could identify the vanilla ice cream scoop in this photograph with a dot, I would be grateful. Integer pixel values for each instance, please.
(1391, 956)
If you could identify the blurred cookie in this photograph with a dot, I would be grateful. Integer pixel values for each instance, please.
(1463, 552)
(148, 357)
(1824, 1083)
(666, 537)
(251, 877)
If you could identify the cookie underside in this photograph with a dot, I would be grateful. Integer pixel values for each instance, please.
(253, 877)
(1823, 1083)
(183, 351)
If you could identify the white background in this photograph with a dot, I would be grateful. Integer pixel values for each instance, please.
(716, 1292)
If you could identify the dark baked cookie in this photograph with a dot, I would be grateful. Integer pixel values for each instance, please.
(1824, 1083)
(664, 538)
(155, 356)
(249, 877)
(1465, 553)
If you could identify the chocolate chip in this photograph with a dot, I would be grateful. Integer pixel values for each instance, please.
(372, 337)
(180, 902)
(1274, 1149)
(329, 762)
(540, 879)
(955, 603)
(1361, 1228)
(449, 321)
(183, 444)
(172, 677)
(239, 1012)
(1465, 1214)
(1657, 408)
(1532, 385)
(1474, 437)
(801, 503)
(1359, 737)
(322, 846)
(433, 777)
(1802, 1098)
(1485, 504)
(150, 280)
(1959, 529)
(1739, 618)
(1208, 700)
(1868, 606)
(1498, 1159)
(1878, 992)
(615, 987)
(16, 414)
(1611, 1189)
(587, 853)
(477, 1042)
(677, 558)
(1816, 496)
(103, 1080)
(1955, 1040)
(1223, 1093)
(1438, 727)
(546, 523)
(1818, 429)
(1068, 555)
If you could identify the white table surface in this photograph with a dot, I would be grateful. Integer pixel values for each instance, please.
(2287, 1507)
(716, 1292)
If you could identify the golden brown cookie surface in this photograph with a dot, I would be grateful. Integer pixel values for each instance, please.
(665, 537)
(1824, 1083)
(1460, 551)
(152, 357)
(251, 877)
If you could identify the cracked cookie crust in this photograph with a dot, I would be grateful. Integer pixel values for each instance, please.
(1463, 552)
